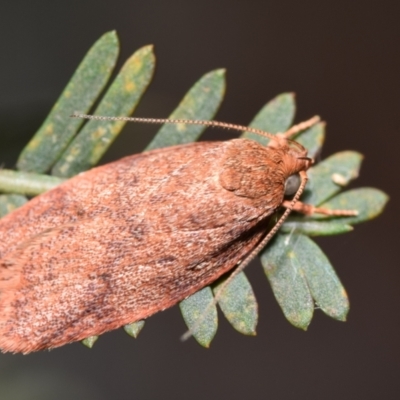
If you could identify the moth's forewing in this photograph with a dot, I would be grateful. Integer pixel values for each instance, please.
(125, 240)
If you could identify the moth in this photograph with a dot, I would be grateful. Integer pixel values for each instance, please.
(125, 240)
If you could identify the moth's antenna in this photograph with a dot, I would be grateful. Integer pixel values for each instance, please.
(295, 129)
(225, 125)
(250, 256)
(218, 124)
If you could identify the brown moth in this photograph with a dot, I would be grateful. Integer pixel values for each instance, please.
(120, 242)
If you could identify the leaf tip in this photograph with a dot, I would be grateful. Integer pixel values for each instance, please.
(111, 36)
(289, 96)
(134, 328)
(89, 341)
(339, 315)
(303, 327)
(220, 71)
(112, 33)
(204, 340)
(385, 199)
(218, 78)
(147, 49)
(300, 319)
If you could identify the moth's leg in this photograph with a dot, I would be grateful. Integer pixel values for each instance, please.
(309, 209)
(295, 129)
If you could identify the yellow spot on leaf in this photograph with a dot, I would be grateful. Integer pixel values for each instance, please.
(10, 207)
(135, 63)
(74, 152)
(116, 127)
(33, 144)
(130, 86)
(49, 129)
(181, 127)
(63, 169)
(98, 133)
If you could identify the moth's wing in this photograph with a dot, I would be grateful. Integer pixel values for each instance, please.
(56, 291)
(153, 231)
(82, 197)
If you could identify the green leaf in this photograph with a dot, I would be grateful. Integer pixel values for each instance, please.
(329, 176)
(134, 328)
(193, 310)
(325, 286)
(89, 341)
(120, 100)
(10, 202)
(315, 228)
(312, 139)
(276, 116)
(282, 265)
(299, 272)
(81, 92)
(26, 183)
(201, 102)
(369, 202)
(238, 303)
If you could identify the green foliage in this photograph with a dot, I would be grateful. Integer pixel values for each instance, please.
(281, 264)
(200, 102)
(238, 303)
(298, 271)
(312, 139)
(134, 328)
(300, 274)
(52, 138)
(90, 341)
(90, 144)
(276, 116)
(193, 310)
(330, 175)
(9, 202)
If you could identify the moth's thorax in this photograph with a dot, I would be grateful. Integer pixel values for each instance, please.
(252, 170)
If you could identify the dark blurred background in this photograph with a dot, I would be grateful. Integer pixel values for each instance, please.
(342, 60)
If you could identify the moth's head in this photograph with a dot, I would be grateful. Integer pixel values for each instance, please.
(294, 161)
(298, 155)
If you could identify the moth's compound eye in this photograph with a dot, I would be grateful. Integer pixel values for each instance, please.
(292, 184)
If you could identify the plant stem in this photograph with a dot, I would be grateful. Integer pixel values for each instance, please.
(26, 183)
